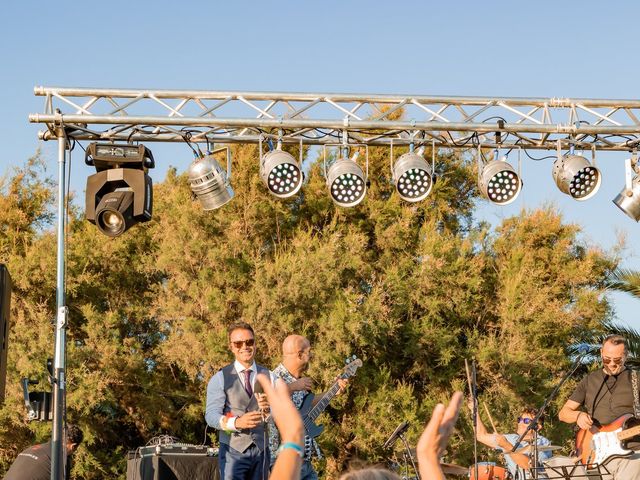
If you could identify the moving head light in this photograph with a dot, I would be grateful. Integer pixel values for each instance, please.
(120, 194)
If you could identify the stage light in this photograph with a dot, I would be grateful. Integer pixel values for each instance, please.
(499, 182)
(347, 182)
(628, 200)
(412, 176)
(281, 173)
(209, 182)
(576, 176)
(120, 194)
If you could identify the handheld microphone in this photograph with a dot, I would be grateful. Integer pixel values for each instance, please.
(258, 391)
(400, 429)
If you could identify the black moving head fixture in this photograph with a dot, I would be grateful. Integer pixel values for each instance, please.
(120, 194)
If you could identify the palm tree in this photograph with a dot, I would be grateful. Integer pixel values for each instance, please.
(621, 280)
(625, 280)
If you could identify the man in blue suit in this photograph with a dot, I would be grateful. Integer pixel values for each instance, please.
(238, 413)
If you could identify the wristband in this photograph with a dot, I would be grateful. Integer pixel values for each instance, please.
(291, 446)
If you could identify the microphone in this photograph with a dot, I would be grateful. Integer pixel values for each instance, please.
(258, 391)
(400, 429)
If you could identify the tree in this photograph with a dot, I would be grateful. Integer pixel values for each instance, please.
(411, 289)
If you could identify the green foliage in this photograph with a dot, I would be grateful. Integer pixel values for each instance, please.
(622, 280)
(410, 289)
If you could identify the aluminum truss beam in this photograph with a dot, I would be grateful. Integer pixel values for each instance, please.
(321, 118)
(314, 119)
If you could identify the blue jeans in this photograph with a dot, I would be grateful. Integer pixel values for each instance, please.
(308, 473)
(247, 465)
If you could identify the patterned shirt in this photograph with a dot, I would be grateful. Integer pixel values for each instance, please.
(513, 467)
(311, 446)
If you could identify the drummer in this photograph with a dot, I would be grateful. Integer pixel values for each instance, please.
(518, 464)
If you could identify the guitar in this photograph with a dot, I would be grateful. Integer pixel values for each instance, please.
(309, 412)
(596, 445)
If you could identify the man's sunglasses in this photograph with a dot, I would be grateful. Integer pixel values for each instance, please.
(240, 343)
(615, 361)
(525, 420)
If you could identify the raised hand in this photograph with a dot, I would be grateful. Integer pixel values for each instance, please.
(435, 437)
(289, 423)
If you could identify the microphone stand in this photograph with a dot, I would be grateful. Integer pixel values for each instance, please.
(408, 454)
(474, 394)
(533, 425)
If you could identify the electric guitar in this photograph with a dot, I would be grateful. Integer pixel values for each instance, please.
(309, 412)
(598, 444)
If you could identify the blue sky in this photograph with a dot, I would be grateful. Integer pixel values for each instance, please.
(541, 49)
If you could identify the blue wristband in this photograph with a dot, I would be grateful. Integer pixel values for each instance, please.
(291, 446)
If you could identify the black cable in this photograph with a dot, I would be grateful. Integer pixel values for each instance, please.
(186, 137)
(537, 159)
(206, 426)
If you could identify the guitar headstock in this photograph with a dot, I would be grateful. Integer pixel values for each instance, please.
(353, 364)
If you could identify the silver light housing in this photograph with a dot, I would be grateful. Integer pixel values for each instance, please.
(209, 183)
(499, 182)
(281, 173)
(576, 176)
(413, 177)
(629, 200)
(347, 183)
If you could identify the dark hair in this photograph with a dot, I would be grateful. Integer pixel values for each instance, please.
(239, 326)
(616, 340)
(532, 412)
(74, 434)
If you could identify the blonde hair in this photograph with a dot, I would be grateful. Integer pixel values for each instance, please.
(370, 473)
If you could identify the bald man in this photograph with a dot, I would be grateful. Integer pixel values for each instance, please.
(296, 355)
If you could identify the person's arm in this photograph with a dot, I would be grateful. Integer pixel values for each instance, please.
(484, 437)
(343, 384)
(520, 458)
(570, 413)
(435, 437)
(215, 402)
(303, 383)
(287, 418)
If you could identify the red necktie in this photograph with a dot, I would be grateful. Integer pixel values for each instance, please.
(247, 382)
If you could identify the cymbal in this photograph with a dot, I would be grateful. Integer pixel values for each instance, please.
(541, 448)
(452, 469)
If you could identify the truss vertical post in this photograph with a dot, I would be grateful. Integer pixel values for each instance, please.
(58, 443)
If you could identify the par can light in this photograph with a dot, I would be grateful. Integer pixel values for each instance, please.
(576, 176)
(629, 200)
(412, 177)
(281, 173)
(347, 183)
(209, 183)
(499, 182)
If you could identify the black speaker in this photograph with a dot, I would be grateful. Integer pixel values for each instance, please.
(5, 301)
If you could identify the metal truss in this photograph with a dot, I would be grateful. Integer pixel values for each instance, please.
(322, 118)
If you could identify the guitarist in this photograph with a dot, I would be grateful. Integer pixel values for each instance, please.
(602, 397)
(296, 355)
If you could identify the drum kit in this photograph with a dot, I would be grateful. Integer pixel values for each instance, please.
(557, 467)
(489, 470)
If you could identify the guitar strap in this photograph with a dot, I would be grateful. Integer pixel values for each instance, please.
(636, 393)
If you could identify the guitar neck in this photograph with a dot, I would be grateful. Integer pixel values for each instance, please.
(629, 433)
(324, 401)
